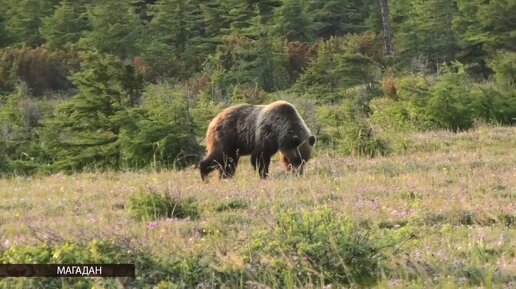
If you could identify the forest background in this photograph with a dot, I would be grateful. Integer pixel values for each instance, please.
(94, 85)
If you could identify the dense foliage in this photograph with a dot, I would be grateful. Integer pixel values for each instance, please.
(132, 84)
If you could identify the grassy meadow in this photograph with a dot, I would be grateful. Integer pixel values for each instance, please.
(439, 215)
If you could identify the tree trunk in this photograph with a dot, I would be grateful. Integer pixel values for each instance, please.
(387, 30)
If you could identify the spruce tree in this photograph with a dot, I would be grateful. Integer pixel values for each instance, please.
(84, 131)
(160, 132)
(23, 19)
(177, 37)
(115, 28)
(250, 56)
(338, 17)
(239, 16)
(4, 37)
(427, 31)
(16, 122)
(484, 27)
(292, 22)
(65, 25)
(338, 67)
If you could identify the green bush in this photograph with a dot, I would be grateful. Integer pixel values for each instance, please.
(392, 115)
(111, 124)
(451, 101)
(344, 132)
(358, 139)
(407, 112)
(318, 247)
(455, 101)
(257, 61)
(493, 103)
(503, 66)
(152, 206)
(449, 105)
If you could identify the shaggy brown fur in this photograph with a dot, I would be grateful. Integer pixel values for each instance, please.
(258, 130)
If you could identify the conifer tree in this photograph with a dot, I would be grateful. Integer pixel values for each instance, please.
(216, 23)
(484, 27)
(258, 61)
(142, 9)
(338, 17)
(241, 12)
(239, 16)
(426, 31)
(65, 25)
(23, 19)
(251, 57)
(177, 36)
(292, 22)
(115, 28)
(84, 131)
(337, 67)
(160, 132)
(4, 37)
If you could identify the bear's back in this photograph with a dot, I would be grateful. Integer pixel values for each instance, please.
(280, 118)
(234, 127)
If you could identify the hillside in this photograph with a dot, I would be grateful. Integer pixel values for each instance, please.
(441, 215)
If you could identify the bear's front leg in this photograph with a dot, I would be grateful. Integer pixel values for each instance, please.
(229, 165)
(262, 161)
(206, 166)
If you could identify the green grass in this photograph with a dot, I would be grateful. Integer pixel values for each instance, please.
(439, 215)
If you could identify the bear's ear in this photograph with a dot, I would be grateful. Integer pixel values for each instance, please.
(311, 140)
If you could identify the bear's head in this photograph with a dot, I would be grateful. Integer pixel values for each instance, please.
(296, 152)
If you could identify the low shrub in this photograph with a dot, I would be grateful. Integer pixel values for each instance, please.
(152, 206)
(359, 139)
(348, 134)
(315, 247)
(451, 101)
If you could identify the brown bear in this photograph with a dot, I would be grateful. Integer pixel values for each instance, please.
(259, 131)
